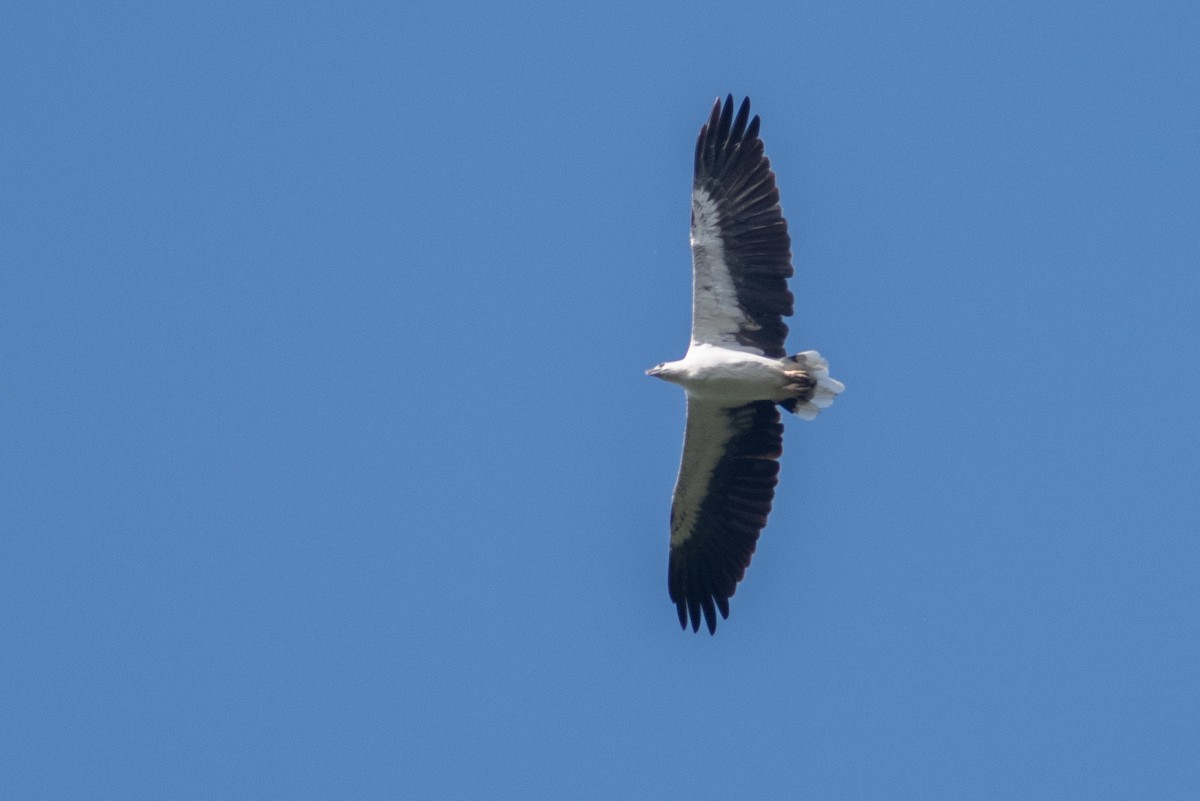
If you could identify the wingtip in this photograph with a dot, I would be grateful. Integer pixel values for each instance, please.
(695, 613)
(710, 614)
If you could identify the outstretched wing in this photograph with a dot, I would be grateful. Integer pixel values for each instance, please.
(722, 498)
(741, 251)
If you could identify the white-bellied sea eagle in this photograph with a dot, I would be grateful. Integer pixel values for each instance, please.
(736, 371)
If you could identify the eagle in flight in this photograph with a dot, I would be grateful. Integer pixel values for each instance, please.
(736, 372)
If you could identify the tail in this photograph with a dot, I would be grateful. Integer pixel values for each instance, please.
(812, 388)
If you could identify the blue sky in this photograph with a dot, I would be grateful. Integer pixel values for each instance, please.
(331, 470)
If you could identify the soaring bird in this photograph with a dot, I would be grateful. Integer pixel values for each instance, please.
(736, 373)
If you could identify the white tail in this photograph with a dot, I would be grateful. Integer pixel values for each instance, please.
(809, 399)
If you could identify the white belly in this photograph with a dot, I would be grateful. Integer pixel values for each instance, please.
(730, 376)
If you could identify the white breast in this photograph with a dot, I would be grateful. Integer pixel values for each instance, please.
(731, 376)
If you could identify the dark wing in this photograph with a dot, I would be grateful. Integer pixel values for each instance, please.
(722, 498)
(741, 251)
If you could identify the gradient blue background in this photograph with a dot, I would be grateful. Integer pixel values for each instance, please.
(330, 471)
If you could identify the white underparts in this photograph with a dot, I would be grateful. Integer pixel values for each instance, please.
(734, 378)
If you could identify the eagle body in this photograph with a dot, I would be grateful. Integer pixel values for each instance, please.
(736, 374)
(721, 375)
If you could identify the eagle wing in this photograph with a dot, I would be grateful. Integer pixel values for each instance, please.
(722, 498)
(741, 250)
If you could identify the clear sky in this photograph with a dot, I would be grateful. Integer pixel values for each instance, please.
(330, 469)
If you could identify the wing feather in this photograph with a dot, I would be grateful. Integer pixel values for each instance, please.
(722, 498)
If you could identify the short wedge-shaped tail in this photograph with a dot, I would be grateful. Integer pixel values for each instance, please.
(812, 387)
